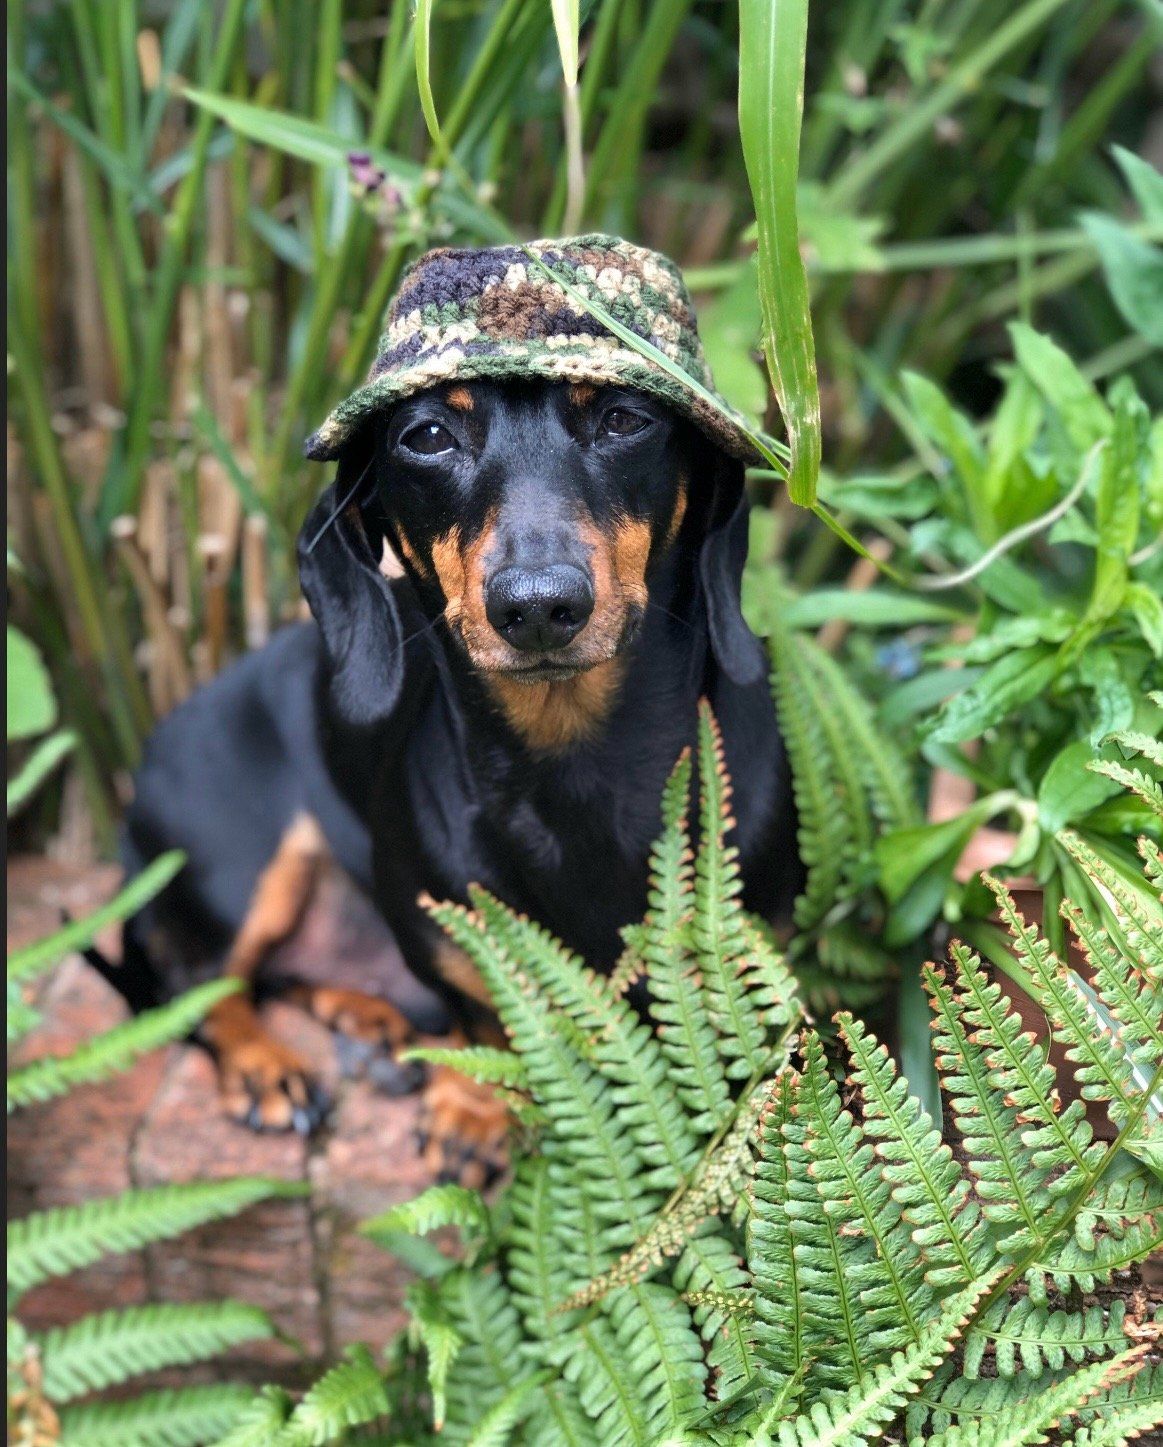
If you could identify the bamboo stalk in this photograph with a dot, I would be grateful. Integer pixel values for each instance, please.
(168, 673)
(255, 595)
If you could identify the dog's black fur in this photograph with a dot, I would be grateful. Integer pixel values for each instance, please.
(400, 720)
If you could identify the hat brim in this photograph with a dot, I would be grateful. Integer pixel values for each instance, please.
(600, 362)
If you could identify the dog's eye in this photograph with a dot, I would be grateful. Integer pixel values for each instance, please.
(621, 422)
(428, 439)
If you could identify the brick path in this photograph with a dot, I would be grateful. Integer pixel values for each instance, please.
(300, 1259)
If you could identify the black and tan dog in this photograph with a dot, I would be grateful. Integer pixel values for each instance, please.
(505, 712)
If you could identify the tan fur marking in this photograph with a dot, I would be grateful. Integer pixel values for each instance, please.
(631, 553)
(456, 969)
(551, 717)
(460, 398)
(680, 507)
(461, 571)
(463, 1125)
(363, 1017)
(581, 393)
(411, 554)
(280, 897)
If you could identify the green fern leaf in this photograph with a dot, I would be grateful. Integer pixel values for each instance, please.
(53, 1243)
(685, 1032)
(1125, 1413)
(438, 1206)
(1026, 1337)
(543, 1270)
(718, 924)
(875, 1400)
(1137, 913)
(432, 1323)
(349, 1395)
(489, 1363)
(880, 1261)
(1041, 1413)
(657, 1337)
(261, 1422)
(623, 1048)
(713, 1281)
(116, 1049)
(495, 1428)
(185, 1417)
(934, 1196)
(489, 1065)
(717, 1183)
(110, 1347)
(779, 1308)
(1136, 780)
(607, 1386)
(1136, 1005)
(1013, 1192)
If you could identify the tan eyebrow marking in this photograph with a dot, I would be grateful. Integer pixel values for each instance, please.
(460, 398)
(581, 392)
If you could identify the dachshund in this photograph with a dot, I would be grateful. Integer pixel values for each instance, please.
(520, 592)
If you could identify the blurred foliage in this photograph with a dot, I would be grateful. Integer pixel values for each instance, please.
(210, 205)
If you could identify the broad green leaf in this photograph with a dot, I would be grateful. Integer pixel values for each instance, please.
(1133, 269)
(903, 855)
(1069, 789)
(1083, 412)
(1002, 688)
(1117, 509)
(730, 328)
(952, 434)
(31, 706)
(1144, 180)
(873, 608)
(1146, 607)
(772, 46)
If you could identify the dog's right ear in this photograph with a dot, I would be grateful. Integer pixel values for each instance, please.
(351, 600)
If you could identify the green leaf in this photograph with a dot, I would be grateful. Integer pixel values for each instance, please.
(729, 328)
(952, 434)
(1001, 689)
(1083, 412)
(437, 1207)
(38, 766)
(56, 1242)
(115, 1050)
(772, 45)
(110, 1347)
(41, 954)
(1146, 607)
(186, 1417)
(1069, 788)
(31, 706)
(1133, 269)
(872, 608)
(1144, 180)
(349, 1395)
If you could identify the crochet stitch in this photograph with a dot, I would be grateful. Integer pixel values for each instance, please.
(494, 314)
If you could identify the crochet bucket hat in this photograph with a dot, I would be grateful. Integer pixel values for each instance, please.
(495, 314)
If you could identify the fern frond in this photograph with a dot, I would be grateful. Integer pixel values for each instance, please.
(713, 1281)
(573, 1092)
(110, 1347)
(260, 1423)
(1136, 780)
(771, 1247)
(1072, 1266)
(716, 1184)
(718, 922)
(1026, 1337)
(483, 1313)
(115, 1050)
(544, 1206)
(880, 1260)
(607, 1387)
(1040, 1414)
(655, 1332)
(495, 1428)
(685, 1032)
(865, 1409)
(1013, 1192)
(926, 1182)
(1135, 1004)
(1104, 1071)
(1137, 913)
(182, 1417)
(432, 1323)
(486, 1063)
(622, 1046)
(558, 1418)
(1124, 1413)
(824, 840)
(53, 1243)
(438, 1206)
(349, 1395)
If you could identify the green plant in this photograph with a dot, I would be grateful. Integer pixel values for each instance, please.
(53, 1376)
(721, 1230)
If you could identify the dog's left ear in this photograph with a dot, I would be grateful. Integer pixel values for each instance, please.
(721, 559)
(351, 599)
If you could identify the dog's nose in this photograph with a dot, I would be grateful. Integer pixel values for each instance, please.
(538, 609)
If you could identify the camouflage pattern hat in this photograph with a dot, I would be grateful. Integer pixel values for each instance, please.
(494, 314)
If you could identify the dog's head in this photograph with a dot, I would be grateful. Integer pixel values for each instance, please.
(534, 520)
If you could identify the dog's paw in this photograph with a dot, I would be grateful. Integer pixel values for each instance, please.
(267, 1087)
(462, 1130)
(368, 1033)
